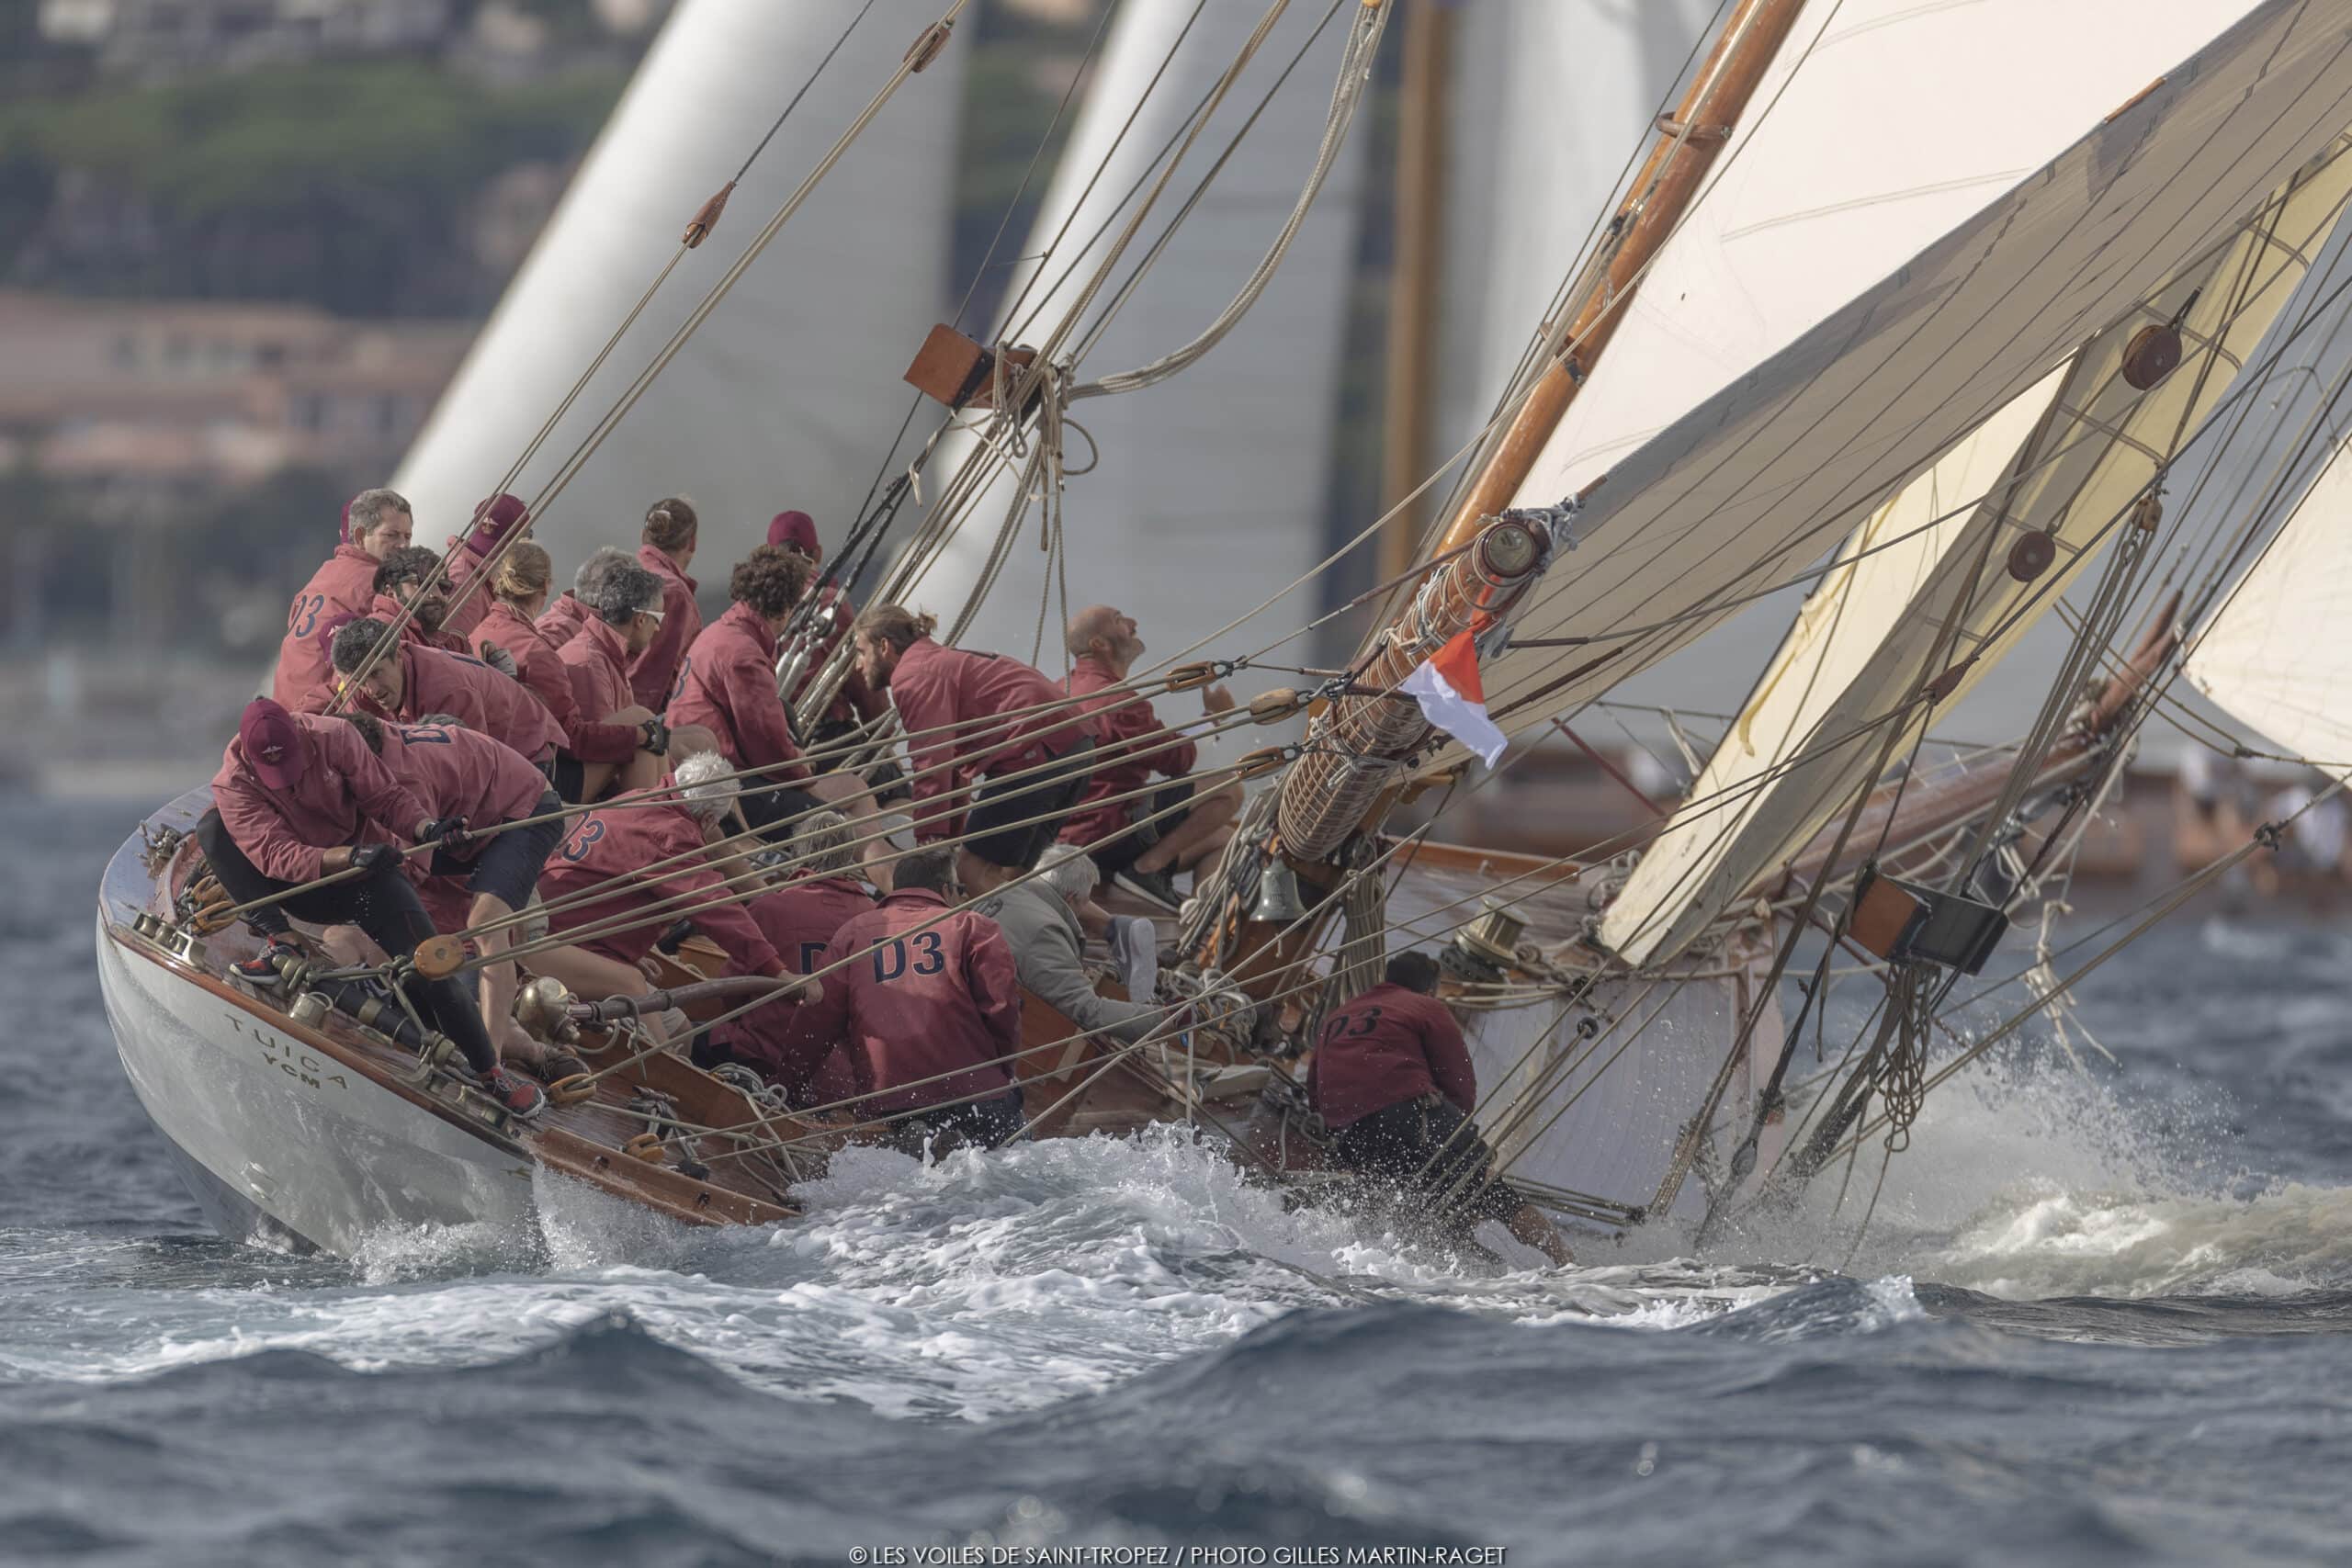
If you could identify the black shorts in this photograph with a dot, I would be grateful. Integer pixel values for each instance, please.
(509, 864)
(1123, 851)
(771, 810)
(568, 774)
(1429, 1146)
(1049, 794)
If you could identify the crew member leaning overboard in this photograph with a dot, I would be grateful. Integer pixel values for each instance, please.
(1142, 840)
(979, 718)
(299, 798)
(410, 682)
(1392, 1079)
(927, 1004)
(376, 521)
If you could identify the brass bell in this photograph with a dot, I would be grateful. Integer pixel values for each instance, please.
(1278, 901)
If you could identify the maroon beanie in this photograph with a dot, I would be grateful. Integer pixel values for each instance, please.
(493, 520)
(796, 530)
(272, 743)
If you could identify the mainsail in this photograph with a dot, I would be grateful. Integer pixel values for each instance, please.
(1760, 477)
(1207, 490)
(1923, 586)
(2275, 655)
(780, 403)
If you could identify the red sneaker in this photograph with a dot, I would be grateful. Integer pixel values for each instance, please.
(519, 1095)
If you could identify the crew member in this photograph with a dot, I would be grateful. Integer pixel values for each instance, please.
(622, 604)
(1045, 922)
(375, 522)
(827, 622)
(667, 550)
(978, 716)
(408, 579)
(477, 785)
(493, 520)
(1392, 1079)
(593, 752)
(800, 920)
(299, 798)
(1141, 840)
(408, 682)
(928, 1003)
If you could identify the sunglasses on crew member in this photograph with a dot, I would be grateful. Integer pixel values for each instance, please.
(655, 614)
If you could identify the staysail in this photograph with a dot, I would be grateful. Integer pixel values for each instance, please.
(780, 403)
(2275, 655)
(1764, 475)
(1207, 490)
(1923, 587)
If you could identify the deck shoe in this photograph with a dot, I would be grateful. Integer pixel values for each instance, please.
(519, 1095)
(1154, 888)
(261, 968)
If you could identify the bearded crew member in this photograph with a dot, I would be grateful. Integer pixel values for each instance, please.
(927, 1004)
(376, 521)
(407, 583)
(1392, 1079)
(299, 798)
(979, 718)
(622, 604)
(475, 786)
(1139, 840)
(408, 682)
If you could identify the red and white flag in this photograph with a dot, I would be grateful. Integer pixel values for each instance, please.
(1446, 686)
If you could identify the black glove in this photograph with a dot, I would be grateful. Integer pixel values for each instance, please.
(657, 737)
(448, 831)
(676, 937)
(371, 860)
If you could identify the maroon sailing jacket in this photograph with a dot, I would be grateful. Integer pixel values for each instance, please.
(387, 610)
(1389, 1045)
(936, 687)
(543, 671)
(653, 671)
(727, 681)
(621, 838)
(920, 1003)
(459, 566)
(345, 585)
(343, 794)
(800, 920)
(476, 696)
(1128, 726)
(560, 620)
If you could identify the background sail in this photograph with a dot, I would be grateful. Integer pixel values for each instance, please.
(2275, 657)
(1208, 492)
(788, 396)
(1760, 479)
(2065, 458)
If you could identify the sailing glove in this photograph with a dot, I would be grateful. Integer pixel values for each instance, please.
(371, 860)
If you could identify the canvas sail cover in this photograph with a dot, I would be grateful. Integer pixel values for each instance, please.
(2065, 458)
(1769, 471)
(2275, 655)
(789, 396)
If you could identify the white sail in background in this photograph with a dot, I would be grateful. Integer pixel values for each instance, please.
(1547, 102)
(788, 396)
(2065, 458)
(1208, 493)
(2275, 655)
(1763, 477)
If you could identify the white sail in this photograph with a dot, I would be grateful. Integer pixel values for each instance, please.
(787, 395)
(1208, 492)
(1531, 169)
(2063, 459)
(2275, 655)
(1761, 478)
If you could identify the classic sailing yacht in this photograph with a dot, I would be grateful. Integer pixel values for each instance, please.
(1849, 305)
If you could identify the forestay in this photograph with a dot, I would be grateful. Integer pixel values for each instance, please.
(2066, 459)
(2275, 655)
(1764, 475)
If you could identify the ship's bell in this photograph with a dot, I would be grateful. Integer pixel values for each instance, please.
(1278, 902)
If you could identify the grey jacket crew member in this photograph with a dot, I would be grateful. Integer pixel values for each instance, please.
(1040, 925)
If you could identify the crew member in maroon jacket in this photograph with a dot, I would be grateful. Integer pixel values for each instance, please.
(376, 521)
(595, 751)
(475, 785)
(410, 682)
(972, 718)
(831, 614)
(1178, 826)
(667, 549)
(406, 581)
(299, 798)
(928, 1005)
(621, 606)
(468, 552)
(727, 681)
(800, 918)
(1392, 1079)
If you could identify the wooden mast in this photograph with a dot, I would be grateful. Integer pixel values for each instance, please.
(1412, 291)
(1688, 144)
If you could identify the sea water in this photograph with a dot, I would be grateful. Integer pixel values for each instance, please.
(2102, 1313)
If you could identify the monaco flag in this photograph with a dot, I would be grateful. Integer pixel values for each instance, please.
(1446, 686)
